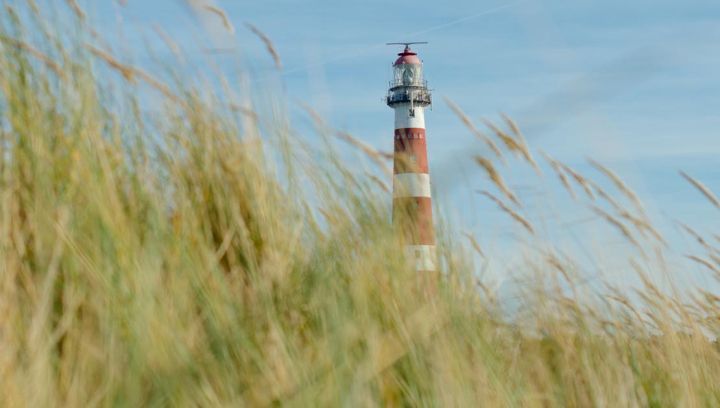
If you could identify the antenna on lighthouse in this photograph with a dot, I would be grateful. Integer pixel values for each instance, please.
(407, 44)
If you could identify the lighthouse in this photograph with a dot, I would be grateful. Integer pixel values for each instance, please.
(408, 95)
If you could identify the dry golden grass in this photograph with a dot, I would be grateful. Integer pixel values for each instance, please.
(468, 123)
(506, 208)
(474, 243)
(558, 168)
(268, 44)
(703, 189)
(495, 177)
(619, 183)
(228, 25)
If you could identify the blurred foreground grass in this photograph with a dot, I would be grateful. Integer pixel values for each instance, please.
(161, 258)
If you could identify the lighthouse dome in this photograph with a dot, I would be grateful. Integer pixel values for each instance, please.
(408, 56)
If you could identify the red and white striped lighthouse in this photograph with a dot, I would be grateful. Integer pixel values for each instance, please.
(412, 206)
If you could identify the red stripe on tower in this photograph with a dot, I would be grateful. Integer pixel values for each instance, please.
(412, 202)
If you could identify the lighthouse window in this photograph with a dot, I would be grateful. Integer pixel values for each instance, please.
(398, 74)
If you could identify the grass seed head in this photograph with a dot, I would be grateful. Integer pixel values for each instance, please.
(268, 44)
(496, 178)
(515, 216)
(558, 168)
(468, 123)
(703, 189)
(514, 144)
(223, 17)
(617, 224)
(618, 182)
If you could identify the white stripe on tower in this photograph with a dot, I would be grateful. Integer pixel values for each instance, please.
(411, 185)
(422, 256)
(403, 120)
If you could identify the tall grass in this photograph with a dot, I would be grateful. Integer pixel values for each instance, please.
(173, 257)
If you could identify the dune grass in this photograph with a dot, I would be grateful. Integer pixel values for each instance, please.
(184, 257)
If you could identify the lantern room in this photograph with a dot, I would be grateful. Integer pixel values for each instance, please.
(408, 85)
(407, 69)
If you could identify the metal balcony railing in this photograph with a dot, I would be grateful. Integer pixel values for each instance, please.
(401, 83)
(416, 96)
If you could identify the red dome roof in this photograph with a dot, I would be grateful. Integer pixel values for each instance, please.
(408, 56)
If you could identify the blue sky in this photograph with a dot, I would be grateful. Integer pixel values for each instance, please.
(633, 84)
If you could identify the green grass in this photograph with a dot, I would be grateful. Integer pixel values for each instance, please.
(172, 259)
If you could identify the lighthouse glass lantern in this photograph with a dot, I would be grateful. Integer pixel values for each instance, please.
(408, 74)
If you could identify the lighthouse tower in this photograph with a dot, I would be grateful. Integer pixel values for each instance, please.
(412, 206)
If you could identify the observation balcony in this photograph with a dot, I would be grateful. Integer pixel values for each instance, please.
(414, 95)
